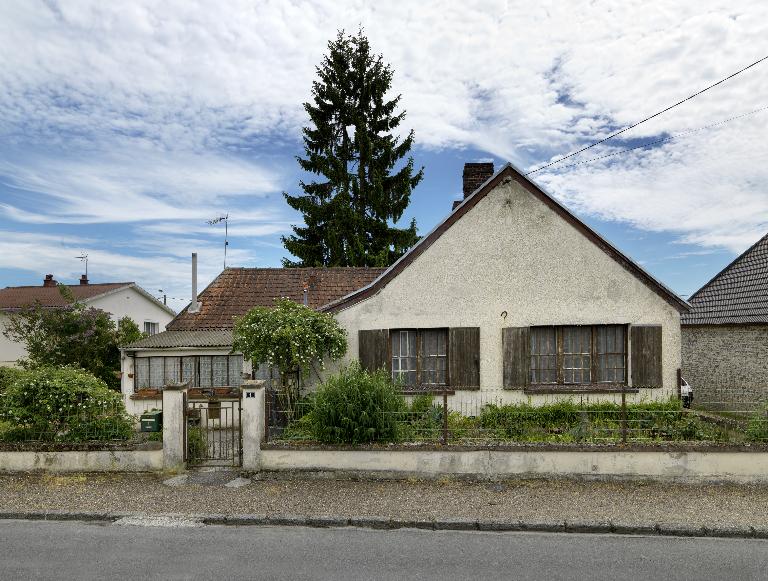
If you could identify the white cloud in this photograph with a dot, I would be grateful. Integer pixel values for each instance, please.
(159, 103)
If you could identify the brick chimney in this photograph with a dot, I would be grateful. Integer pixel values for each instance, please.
(474, 175)
(84, 279)
(49, 280)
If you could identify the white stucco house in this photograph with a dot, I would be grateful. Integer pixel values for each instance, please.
(513, 294)
(119, 299)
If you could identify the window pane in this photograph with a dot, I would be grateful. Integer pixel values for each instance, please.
(141, 373)
(404, 356)
(156, 372)
(235, 370)
(188, 368)
(434, 358)
(577, 354)
(172, 370)
(205, 371)
(611, 353)
(543, 355)
(219, 365)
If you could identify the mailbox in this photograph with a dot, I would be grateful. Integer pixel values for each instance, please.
(151, 421)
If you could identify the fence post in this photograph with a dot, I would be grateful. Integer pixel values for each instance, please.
(679, 384)
(623, 415)
(252, 420)
(445, 417)
(174, 425)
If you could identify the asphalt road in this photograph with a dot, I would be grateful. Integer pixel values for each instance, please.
(75, 550)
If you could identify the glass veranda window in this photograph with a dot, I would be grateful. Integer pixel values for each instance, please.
(404, 356)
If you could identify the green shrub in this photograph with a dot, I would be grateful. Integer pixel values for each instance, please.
(356, 407)
(63, 404)
(197, 444)
(757, 429)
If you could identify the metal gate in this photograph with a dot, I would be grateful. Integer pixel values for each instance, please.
(213, 431)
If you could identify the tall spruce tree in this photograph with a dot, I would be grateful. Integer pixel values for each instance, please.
(349, 213)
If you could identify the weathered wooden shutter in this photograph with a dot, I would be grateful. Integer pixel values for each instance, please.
(464, 357)
(516, 361)
(373, 349)
(646, 355)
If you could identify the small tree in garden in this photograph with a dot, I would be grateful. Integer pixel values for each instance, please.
(291, 337)
(63, 404)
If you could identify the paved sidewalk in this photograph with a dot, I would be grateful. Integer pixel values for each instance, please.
(644, 506)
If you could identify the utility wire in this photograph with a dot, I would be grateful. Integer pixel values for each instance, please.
(612, 135)
(664, 139)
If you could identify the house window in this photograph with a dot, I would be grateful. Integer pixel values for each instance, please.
(577, 355)
(151, 328)
(420, 356)
(199, 370)
(404, 357)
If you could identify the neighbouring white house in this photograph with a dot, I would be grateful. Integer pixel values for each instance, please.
(515, 295)
(119, 299)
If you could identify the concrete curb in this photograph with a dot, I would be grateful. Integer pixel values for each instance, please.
(383, 523)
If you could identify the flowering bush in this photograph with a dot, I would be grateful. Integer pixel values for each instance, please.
(289, 336)
(63, 404)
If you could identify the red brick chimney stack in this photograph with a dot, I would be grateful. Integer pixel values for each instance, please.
(49, 280)
(83, 279)
(475, 174)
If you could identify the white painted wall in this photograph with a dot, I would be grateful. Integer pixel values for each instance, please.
(10, 351)
(511, 253)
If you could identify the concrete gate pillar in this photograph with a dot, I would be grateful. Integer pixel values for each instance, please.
(252, 423)
(174, 425)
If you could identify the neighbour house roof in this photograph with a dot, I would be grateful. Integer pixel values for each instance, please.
(738, 294)
(237, 290)
(506, 173)
(18, 297)
(176, 339)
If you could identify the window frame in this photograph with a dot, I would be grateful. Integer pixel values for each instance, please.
(179, 371)
(594, 356)
(154, 328)
(419, 385)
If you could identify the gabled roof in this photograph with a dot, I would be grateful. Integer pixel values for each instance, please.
(508, 172)
(181, 339)
(738, 294)
(237, 290)
(18, 297)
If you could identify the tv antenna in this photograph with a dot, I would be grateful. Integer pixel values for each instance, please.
(225, 219)
(84, 258)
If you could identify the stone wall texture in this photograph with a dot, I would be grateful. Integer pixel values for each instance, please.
(727, 365)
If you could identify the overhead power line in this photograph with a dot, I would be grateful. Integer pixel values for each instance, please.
(663, 139)
(612, 135)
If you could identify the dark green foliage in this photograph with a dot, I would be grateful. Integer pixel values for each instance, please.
(197, 444)
(357, 407)
(7, 376)
(63, 405)
(72, 335)
(364, 188)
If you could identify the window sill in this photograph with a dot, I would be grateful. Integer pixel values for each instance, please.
(584, 388)
(435, 390)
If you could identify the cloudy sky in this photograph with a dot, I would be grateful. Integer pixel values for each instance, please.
(124, 126)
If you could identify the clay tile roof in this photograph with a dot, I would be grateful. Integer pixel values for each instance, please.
(738, 294)
(18, 297)
(237, 290)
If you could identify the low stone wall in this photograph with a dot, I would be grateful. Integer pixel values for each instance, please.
(82, 461)
(693, 466)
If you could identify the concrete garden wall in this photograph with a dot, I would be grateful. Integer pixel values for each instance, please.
(82, 461)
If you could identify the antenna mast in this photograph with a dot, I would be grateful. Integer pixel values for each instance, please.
(84, 258)
(225, 219)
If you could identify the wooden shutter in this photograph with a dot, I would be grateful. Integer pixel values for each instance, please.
(645, 351)
(516, 360)
(373, 349)
(464, 357)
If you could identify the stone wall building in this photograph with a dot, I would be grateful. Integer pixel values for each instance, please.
(725, 335)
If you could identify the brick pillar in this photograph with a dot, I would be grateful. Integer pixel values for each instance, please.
(252, 423)
(174, 424)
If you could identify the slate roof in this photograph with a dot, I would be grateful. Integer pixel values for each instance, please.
(738, 294)
(171, 339)
(237, 290)
(18, 297)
